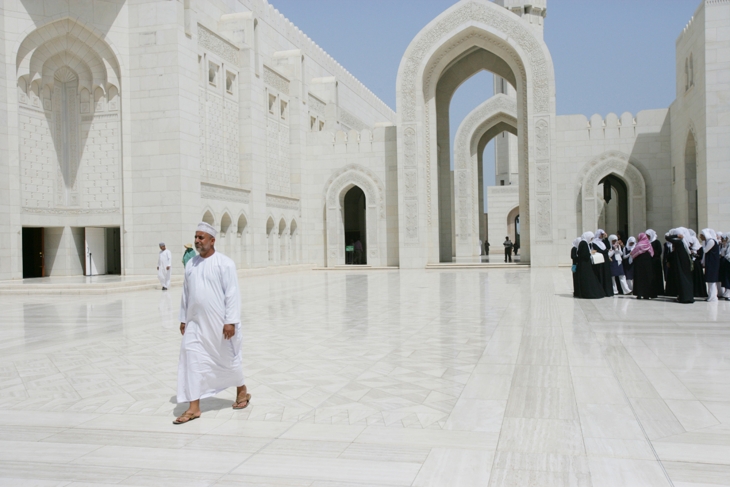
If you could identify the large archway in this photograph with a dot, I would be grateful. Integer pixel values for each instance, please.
(471, 36)
(494, 116)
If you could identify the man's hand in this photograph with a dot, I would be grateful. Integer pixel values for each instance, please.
(182, 328)
(158, 268)
(168, 268)
(229, 331)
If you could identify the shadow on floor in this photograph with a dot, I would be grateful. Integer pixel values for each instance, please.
(208, 404)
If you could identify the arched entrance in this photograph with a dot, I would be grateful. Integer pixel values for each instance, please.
(493, 117)
(369, 222)
(471, 36)
(355, 223)
(616, 168)
(690, 181)
(613, 206)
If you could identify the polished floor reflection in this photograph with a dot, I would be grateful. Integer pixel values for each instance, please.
(424, 378)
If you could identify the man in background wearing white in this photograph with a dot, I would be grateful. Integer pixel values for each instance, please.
(164, 261)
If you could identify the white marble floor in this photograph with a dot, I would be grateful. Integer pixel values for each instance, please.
(424, 378)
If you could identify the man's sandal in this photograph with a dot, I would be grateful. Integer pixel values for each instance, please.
(247, 400)
(185, 418)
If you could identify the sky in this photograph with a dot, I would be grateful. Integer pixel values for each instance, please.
(608, 55)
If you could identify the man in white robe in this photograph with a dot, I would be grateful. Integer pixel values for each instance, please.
(210, 352)
(164, 262)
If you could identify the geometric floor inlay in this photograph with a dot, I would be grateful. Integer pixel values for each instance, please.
(430, 377)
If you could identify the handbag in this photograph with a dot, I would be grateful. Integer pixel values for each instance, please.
(597, 258)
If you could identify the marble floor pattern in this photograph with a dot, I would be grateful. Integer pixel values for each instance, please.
(374, 378)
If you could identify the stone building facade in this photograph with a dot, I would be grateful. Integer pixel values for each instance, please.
(125, 123)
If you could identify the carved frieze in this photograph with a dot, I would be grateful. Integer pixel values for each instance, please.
(276, 81)
(351, 121)
(276, 201)
(218, 45)
(221, 193)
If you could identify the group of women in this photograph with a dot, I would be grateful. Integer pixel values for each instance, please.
(686, 267)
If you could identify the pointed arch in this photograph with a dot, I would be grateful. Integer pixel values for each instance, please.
(514, 52)
(337, 186)
(492, 117)
(208, 217)
(620, 165)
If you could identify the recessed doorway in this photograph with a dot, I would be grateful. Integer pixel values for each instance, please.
(33, 248)
(355, 225)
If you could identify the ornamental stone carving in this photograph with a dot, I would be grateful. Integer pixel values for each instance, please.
(469, 13)
(625, 168)
(222, 193)
(276, 81)
(542, 140)
(354, 174)
(216, 44)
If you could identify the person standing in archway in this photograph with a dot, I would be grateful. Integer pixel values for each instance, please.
(164, 263)
(507, 249)
(358, 252)
(210, 323)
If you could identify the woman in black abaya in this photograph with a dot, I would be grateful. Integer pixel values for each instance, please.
(680, 265)
(656, 263)
(698, 273)
(641, 256)
(603, 271)
(587, 284)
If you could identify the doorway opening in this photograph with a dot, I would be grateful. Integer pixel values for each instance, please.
(113, 251)
(355, 226)
(33, 248)
(613, 215)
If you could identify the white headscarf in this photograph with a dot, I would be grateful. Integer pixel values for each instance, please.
(685, 236)
(611, 238)
(598, 241)
(576, 242)
(630, 243)
(710, 239)
(651, 234)
(587, 237)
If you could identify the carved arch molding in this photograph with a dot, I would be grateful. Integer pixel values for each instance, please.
(620, 165)
(499, 109)
(334, 195)
(474, 23)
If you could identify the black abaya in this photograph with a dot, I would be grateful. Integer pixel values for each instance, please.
(699, 287)
(680, 270)
(587, 284)
(644, 276)
(657, 266)
(574, 258)
(603, 271)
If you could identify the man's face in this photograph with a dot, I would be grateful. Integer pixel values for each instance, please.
(162, 247)
(203, 242)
